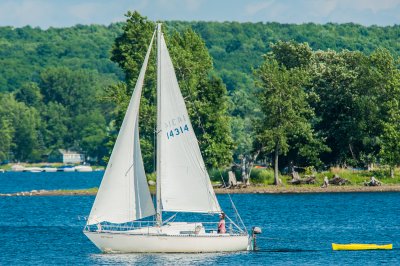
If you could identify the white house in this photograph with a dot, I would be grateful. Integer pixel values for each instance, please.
(65, 156)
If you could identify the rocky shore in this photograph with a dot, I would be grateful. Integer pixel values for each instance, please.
(246, 190)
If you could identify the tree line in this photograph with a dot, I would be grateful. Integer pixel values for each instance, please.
(327, 107)
(59, 111)
(320, 95)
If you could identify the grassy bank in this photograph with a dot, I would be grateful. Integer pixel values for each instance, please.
(256, 189)
(354, 176)
(262, 182)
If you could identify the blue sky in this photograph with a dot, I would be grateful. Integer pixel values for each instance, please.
(63, 13)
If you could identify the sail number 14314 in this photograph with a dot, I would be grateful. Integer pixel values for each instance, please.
(177, 131)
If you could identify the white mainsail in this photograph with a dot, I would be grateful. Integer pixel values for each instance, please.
(185, 184)
(123, 194)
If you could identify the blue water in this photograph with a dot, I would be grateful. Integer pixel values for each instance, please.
(297, 229)
(11, 182)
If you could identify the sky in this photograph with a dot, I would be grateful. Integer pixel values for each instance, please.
(65, 13)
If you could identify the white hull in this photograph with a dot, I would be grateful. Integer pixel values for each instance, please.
(83, 168)
(66, 169)
(50, 169)
(119, 242)
(33, 169)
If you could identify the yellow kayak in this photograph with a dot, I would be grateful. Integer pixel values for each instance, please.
(360, 246)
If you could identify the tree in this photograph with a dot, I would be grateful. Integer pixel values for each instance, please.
(204, 93)
(6, 137)
(354, 92)
(91, 135)
(346, 105)
(24, 122)
(292, 54)
(385, 78)
(128, 52)
(283, 103)
(71, 113)
(206, 97)
(390, 147)
(30, 94)
(55, 126)
(74, 89)
(215, 134)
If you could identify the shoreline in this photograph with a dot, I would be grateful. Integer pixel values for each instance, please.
(308, 189)
(248, 190)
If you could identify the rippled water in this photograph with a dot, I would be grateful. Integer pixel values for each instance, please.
(297, 229)
(11, 182)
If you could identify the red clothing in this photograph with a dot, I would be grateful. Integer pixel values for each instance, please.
(221, 227)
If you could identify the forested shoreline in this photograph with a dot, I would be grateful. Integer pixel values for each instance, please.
(68, 88)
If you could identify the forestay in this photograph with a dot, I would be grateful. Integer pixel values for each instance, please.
(185, 184)
(123, 195)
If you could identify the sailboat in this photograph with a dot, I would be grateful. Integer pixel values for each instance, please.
(117, 221)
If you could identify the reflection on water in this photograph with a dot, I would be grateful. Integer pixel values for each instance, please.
(160, 259)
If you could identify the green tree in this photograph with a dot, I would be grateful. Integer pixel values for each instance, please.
(206, 97)
(6, 137)
(76, 90)
(91, 135)
(54, 126)
(341, 111)
(25, 122)
(128, 52)
(30, 94)
(71, 109)
(353, 90)
(292, 54)
(202, 91)
(215, 134)
(390, 147)
(286, 111)
(385, 79)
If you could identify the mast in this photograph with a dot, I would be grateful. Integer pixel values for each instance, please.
(158, 193)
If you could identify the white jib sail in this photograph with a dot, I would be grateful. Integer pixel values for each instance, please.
(123, 194)
(185, 184)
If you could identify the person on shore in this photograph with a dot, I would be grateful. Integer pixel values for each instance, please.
(326, 182)
(221, 224)
(373, 182)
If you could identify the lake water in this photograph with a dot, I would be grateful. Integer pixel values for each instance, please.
(297, 229)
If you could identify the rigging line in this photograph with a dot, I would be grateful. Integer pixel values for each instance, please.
(127, 171)
(233, 204)
(238, 227)
(170, 218)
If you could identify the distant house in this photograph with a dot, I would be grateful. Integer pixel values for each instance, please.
(65, 156)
